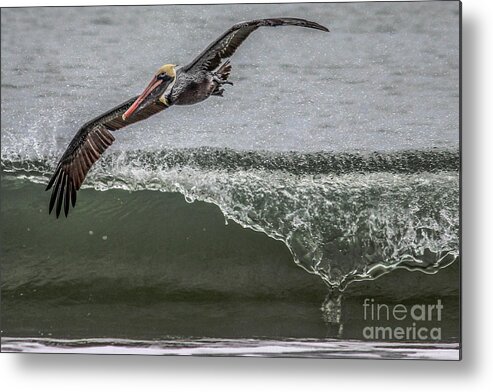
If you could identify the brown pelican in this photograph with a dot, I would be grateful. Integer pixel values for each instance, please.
(170, 85)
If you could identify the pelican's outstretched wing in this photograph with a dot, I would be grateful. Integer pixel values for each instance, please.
(226, 44)
(85, 149)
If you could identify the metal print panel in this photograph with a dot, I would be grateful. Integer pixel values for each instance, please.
(273, 180)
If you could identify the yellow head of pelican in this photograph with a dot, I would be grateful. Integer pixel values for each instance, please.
(167, 69)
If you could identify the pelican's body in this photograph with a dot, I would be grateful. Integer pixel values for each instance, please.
(170, 85)
(193, 88)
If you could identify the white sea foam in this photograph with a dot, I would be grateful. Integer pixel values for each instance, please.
(306, 348)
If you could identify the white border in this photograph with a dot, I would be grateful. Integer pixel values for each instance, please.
(133, 373)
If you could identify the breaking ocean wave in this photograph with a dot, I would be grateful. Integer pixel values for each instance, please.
(344, 217)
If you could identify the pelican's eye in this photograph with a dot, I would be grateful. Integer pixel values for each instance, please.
(163, 75)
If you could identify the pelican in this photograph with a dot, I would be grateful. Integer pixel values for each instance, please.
(205, 76)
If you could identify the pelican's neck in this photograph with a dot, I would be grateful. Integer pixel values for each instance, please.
(164, 98)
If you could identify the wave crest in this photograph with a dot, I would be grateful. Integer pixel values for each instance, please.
(344, 217)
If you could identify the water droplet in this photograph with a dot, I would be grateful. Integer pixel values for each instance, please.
(104, 237)
(91, 232)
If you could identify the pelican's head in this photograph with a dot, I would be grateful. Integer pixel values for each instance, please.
(162, 79)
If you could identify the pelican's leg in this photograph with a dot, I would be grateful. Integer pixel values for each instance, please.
(218, 92)
(222, 74)
(219, 80)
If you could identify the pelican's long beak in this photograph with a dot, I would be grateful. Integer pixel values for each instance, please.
(155, 82)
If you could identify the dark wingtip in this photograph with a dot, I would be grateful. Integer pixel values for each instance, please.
(289, 21)
(63, 194)
(317, 26)
(54, 193)
(68, 193)
(74, 196)
(52, 180)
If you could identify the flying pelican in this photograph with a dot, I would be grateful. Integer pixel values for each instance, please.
(170, 85)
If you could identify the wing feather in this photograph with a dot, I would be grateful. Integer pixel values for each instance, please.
(87, 146)
(225, 46)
